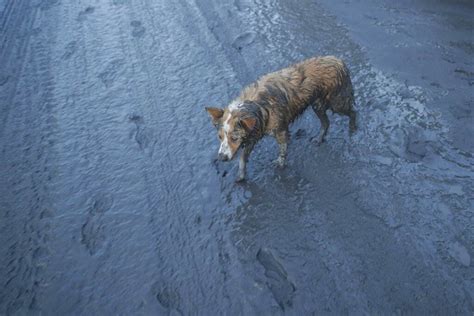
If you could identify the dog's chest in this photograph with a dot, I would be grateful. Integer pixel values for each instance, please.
(271, 132)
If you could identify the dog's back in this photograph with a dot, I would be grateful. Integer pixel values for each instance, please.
(322, 82)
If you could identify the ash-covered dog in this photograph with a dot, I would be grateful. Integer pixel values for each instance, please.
(268, 106)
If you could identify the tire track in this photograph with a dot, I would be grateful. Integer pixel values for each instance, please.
(19, 18)
(171, 200)
(103, 215)
(166, 290)
(29, 152)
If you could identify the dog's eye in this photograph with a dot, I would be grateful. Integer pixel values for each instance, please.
(220, 136)
(234, 138)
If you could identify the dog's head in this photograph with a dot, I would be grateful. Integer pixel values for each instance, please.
(233, 129)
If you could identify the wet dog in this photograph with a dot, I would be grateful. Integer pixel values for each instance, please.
(270, 105)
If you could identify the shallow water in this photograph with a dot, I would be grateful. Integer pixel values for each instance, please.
(110, 201)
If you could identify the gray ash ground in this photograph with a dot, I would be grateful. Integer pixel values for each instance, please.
(110, 201)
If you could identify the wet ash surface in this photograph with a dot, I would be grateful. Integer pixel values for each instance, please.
(110, 201)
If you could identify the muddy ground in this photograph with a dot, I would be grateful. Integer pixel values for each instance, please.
(110, 202)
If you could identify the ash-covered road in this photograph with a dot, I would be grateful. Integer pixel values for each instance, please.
(110, 202)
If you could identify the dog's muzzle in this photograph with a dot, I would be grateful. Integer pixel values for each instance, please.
(222, 157)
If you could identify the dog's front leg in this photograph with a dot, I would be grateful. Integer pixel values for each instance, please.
(282, 139)
(244, 157)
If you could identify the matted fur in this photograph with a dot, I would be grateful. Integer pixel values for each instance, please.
(277, 99)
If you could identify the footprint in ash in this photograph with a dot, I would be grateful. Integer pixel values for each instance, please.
(167, 297)
(4, 79)
(92, 231)
(142, 134)
(138, 30)
(280, 286)
(111, 72)
(70, 49)
(243, 40)
(47, 4)
(84, 13)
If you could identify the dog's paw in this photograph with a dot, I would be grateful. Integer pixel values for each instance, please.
(318, 141)
(280, 163)
(352, 130)
(240, 179)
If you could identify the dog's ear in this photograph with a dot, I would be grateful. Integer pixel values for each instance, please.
(215, 113)
(249, 123)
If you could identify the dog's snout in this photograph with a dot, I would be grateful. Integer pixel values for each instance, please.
(222, 157)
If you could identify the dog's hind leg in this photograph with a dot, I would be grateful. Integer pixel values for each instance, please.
(321, 113)
(352, 121)
(282, 138)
